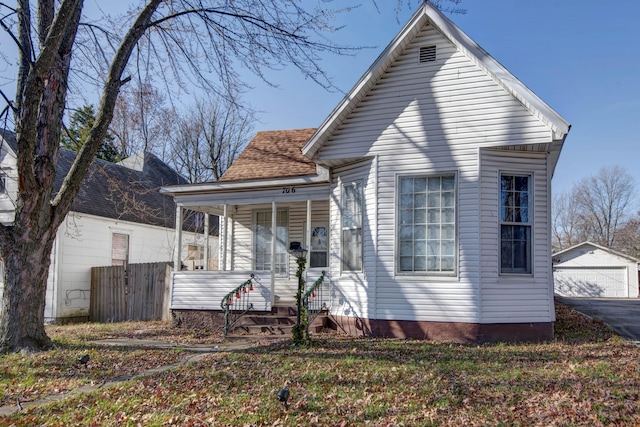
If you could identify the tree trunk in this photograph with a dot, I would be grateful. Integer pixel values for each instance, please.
(22, 316)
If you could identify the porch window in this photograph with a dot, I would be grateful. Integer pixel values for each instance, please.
(515, 224)
(262, 241)
(195, 256)
(427, 224)
(319, 251)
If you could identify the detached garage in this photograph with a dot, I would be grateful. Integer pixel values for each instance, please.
(591, 270)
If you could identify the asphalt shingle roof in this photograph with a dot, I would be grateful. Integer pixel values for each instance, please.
(273, 154)
(115, 191)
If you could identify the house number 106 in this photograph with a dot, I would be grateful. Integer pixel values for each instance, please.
(287, 190)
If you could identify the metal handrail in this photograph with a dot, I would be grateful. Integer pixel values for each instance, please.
(236, 303)
(312, 300)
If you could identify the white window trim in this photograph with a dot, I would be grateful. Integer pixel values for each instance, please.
(427, 274)
(317, 224)
(342, 228)
(531, 176)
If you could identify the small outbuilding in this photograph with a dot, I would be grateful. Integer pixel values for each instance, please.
(591, 270)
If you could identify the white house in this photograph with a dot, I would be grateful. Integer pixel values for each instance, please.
(118, 217)
(425, 196)
(591, 270)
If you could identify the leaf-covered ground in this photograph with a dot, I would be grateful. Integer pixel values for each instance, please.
(587, 377)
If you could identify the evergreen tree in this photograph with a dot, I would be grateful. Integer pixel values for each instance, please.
(82, 121)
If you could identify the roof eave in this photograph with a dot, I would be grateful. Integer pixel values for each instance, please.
(363, 85)
(558, 125)
(175, 190)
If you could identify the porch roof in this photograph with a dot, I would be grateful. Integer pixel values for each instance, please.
(270, 169)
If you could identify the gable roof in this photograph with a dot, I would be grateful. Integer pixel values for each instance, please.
(595, 245)
(10, 138)
(272, 154)
(114, 191)
(428, 15)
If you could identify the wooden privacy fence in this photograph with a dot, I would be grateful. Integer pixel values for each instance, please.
(137, 292)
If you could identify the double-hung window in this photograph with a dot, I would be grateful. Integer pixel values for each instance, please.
(352, 198)
(427, 224)
(263, 238)
(515, 224)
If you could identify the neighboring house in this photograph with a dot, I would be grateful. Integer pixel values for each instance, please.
(591, 270)
(118, 217)
(425, 196)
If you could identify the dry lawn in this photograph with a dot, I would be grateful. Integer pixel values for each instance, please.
(587, 377)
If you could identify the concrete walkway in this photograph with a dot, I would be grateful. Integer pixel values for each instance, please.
(198, 352)
(620, 314)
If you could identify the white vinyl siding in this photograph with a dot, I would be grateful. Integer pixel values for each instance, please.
(428, 119)
(518, 297)
(84, 241)
(352, 293)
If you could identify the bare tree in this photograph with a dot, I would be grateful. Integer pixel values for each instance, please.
(209, 139)
(598, 209)
(627, 239)
(603, 202)
(173, 40)
(567, 228)
(141, 120)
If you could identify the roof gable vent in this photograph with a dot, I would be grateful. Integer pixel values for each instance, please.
(427, 54)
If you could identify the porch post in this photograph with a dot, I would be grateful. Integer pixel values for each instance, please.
(274, 218)
(177, 256)
(206, 242)
(224, 246)
(307, 244)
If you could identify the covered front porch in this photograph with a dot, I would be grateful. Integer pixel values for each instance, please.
(249, 212)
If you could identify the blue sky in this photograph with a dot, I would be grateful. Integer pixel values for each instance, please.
(582, 58)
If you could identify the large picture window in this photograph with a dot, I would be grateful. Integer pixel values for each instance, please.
(427, 224)
(515, 224)
(352, 226)
(262, 241)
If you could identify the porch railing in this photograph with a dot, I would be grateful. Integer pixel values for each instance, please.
(313, 301)
(237, 303)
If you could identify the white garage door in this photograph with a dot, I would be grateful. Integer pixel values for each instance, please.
(591, 282)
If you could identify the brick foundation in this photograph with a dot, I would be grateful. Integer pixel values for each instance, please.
(445, 331)
(436, 331)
